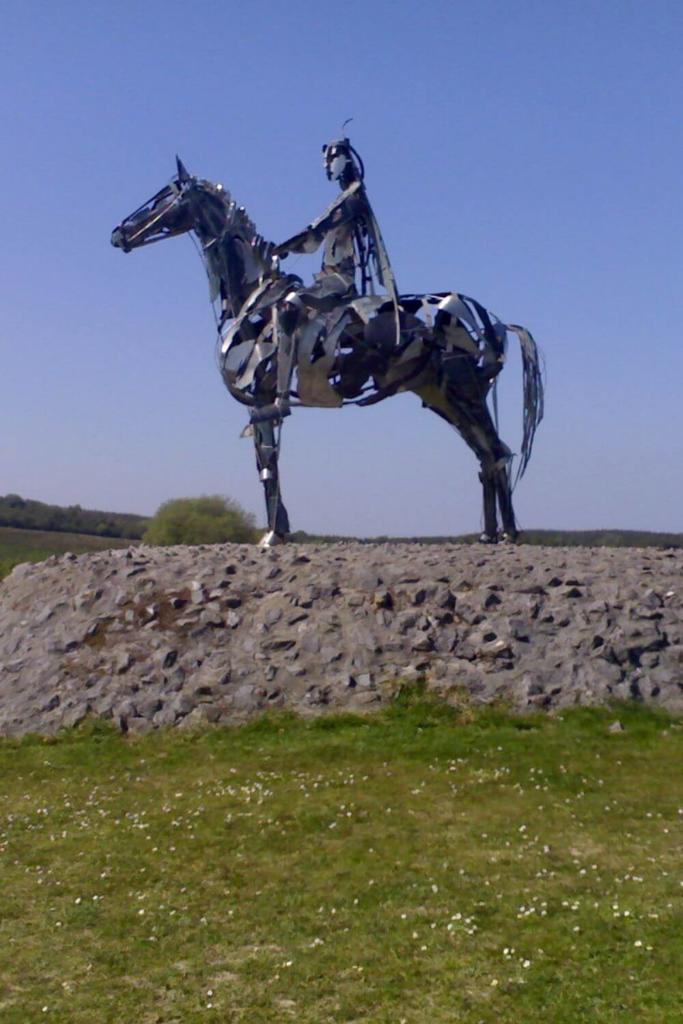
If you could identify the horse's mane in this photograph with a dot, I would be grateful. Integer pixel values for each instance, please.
(235, 255)
(237, 220)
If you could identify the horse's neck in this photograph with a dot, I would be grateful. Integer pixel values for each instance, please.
(236, 257)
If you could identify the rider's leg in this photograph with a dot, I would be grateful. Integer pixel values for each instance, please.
(285, 320)
(326, 300)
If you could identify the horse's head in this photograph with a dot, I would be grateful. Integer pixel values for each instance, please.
(167, 213)
(236, 256)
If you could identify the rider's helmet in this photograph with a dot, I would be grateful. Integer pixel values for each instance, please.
(342, 162)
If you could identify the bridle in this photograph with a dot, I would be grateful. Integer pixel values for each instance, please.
(172, 190)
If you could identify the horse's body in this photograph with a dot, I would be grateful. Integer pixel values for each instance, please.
(449, 351)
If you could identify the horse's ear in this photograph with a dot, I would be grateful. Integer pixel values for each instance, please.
(182, 171)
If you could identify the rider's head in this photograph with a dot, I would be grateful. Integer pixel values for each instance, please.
(342, 163)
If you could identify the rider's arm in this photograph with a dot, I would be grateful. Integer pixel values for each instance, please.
(309, 239)
(306, 241)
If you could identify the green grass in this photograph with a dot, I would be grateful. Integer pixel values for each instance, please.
(17, 546)
(415, 866)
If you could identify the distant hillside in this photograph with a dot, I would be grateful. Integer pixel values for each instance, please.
(26, 514)
(549, 538)
(603, 538)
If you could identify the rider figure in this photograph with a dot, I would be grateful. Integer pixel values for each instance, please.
(354, 257)
(355, 262)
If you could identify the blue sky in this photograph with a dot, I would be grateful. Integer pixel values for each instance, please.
(526, 153)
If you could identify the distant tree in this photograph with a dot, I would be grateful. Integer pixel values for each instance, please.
(211, 519)
(13, 501)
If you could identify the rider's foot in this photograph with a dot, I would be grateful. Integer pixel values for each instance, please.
(487, 538)
(277, 410)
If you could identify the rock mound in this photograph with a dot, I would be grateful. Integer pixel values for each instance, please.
(175, 636)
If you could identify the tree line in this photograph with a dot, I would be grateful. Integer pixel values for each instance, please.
(214, 518)
(26, 514)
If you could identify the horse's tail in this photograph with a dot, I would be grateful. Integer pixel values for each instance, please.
(532, 383)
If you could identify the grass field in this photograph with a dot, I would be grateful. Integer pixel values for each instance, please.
(18, 546)
(415, 866)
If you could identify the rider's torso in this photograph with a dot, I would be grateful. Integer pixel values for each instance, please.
(341, 255)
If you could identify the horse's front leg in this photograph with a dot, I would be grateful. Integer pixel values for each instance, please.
(488, 483)
(266, 443)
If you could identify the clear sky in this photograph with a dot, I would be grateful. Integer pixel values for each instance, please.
(524, 152)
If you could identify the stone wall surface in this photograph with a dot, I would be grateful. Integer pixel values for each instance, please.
(178, 636)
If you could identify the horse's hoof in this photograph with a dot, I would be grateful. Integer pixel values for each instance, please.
(272, 539)
(487, 538)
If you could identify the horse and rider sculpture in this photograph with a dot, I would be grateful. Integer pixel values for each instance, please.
(346, 338)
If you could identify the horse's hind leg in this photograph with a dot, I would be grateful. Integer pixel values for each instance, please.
(504, 494)
(472, 418)
(462, 402)
(267, 449)
(495, 482)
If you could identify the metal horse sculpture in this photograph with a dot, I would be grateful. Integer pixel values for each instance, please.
(444, 347)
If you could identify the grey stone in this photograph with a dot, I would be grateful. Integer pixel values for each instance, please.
(272, 615)
(166, 657)
(149, 613)
(43, 616)
(75, 715)
(202, 691)
(483, 623)
(126, 709)
(104, 705)
(182, 704)
(407, 620)
(212, 618)
(444, 598)
(138, 726)
(149, 706)
(309, 642)
(210, 712)
(244, 698)
(164, 718)
(122, 662)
